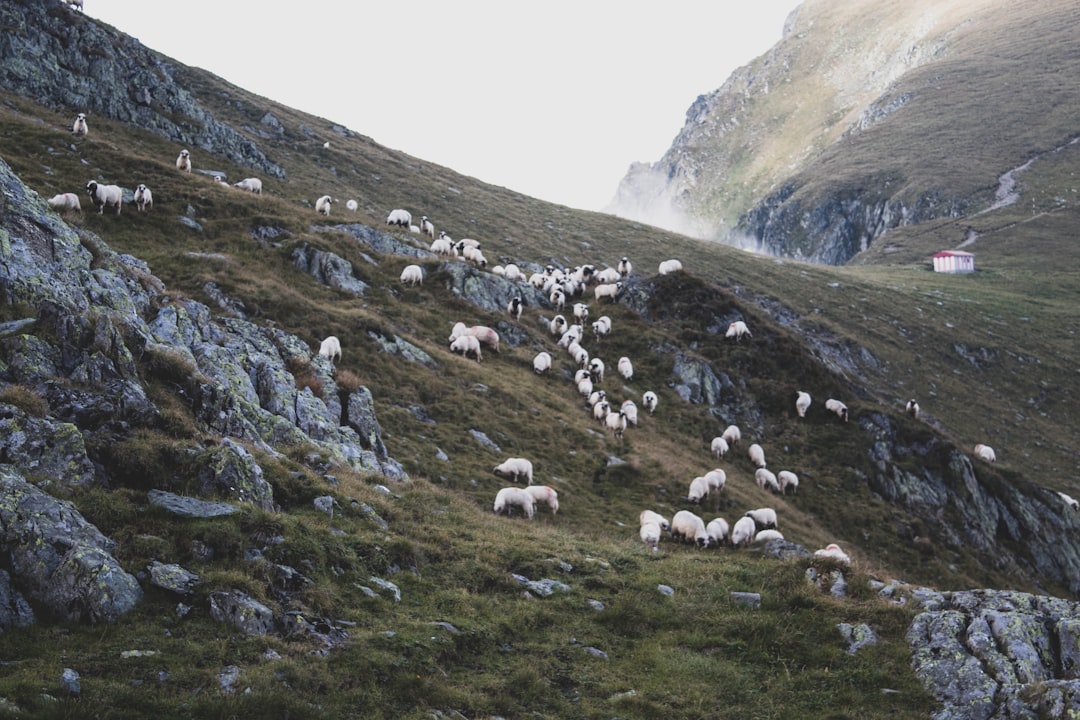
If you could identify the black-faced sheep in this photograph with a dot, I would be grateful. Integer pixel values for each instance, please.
(79, 127)
(105, 196)
(1070, 501)
(610, 291)
(699, 490)
(322, 205)
(649, 401)
(183, 161)
(466, 344)
(625, 267)
(763, 518)
(515, 307)
(330, 348)
(515, 468)
(647, 516)
(427, 227)
(596, 370)
(602, 326)
(144, 199)
(718, 531)
(401, 218)
(912, 408)
(838, 408)
(616, 422)
(689, 528)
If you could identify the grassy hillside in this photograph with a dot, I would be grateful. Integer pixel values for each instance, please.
(891, 329)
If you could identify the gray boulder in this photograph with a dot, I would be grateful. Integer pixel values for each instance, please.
(242, 611)
(15, 611)
(231, 471)
(328, 268)
(188, 506)
(173, 577)
(44, 447)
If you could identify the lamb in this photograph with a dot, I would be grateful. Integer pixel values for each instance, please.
(757, 455)
(649, 401)
(732, 434)
(412, 275)
(699, 490)
(65, 202)
(401, 218)
(717, 479)
(542, 362)
(650, 535)
(105, 196)
(787, 480)
(625, 267)
(481, 332)
(427, 227)
(719, 447)
(602, 326)
(766, 480)
(616, 422)
(630, 410)
(669, 266)
(350, 204)
(626, 368)
(596, 370)
(985, 452)
(254, 185)
(737, 329)
(832, 551)
(743, 532)
(557, 326)
(767, 535)
(1070, 501)
(802, 402)
(649, 516)
(717, 530)
(466, 344)
(183, 161)
(610, 291)
(545, 495)
(839, 408)
(515, 468)
(80, 128)
(330, 348)
(511, 497)
(912, 408)
(688, 527)
(322, 205)
(515, 306)
(144, 199)
(763, 518)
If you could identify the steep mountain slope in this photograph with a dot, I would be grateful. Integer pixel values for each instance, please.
(864, 118)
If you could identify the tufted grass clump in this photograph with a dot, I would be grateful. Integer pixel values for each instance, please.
(26, 399)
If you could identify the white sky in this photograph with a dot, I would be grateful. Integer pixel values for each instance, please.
(553, 99)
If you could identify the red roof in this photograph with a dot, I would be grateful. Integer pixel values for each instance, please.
(953, 253)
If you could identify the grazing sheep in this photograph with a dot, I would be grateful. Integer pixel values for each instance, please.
(105, 196)
(912, 408)
(630, 410)
(763, 518)
(669, 266)
(481, 332)
(766, 480)
(717, 479)
(466, 344)
(649, 401)
(557, 326)
(802, 402)
(476, 257)
(65, 202)
(515, 468)
(985, 452)
(544, 495)
(144, 199)
(650, 535)
(649, 516)
(743, 532)
(412, 275)
(542, 362)
(254, 185)
(610, 291)
(732, 434)
(330, 348)
(427, 227)
(719, 447)
(767, 535)
(616, 422)
(602, 326)
(350, 204)
(183, 161)
(80, 128)
(837, 407)
(515, 306)
(787, 480)
(596, 370)
(688, 527)
(1070, 502)
(832, 551)
(626, 368)
(737, 329)
(625, 267)
(442, 246)
(757, 455)
(511, 497)
(699, 490)
(717, 530)
(401, 218)
(322, 205)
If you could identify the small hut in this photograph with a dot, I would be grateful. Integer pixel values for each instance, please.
(954, 261)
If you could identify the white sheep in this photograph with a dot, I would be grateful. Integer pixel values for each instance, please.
(65, 202)
(766, 480)
(600, 410)
(544, 495)
(580, 354)
(515, 307)
(80, 128)
(616, 422)
(648, 516)
(427, 227)
(401, 218)
(581, 312)
(717, 530)
(985, 452)
(442, 246)
(737, 329)
(757, 455)
(466, 344)
(322, 205)
(912, 408)
(254, 185)
(602, 326)
(743, 532)
(585, 386)
(717, 479)
(183, 161)
(144, 199)
(625, 267)
(610, 291)
(649, 401)
(582, 374)
(719, 447)
(596, 370)
(75, 4)
(542, 362)
(732, 434)
(482, 333)
(571, 335)
(688, 527)
(511, 497)
(412, 275)
(557, 298)
(788, 480)
(650, 535)
(763, 518)
(832, 551)
(1070, 501)
(515, 468)
(513, 273)
(607, 275)
(767, 535)
(626, 368)
(350, 204)
(669, 266)
(837, 407)
(330, 348)
(596, 397)
(699, 490)
(557, 326)
(630, 410)
(475, 256)
(105, 196)
(802, 402)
